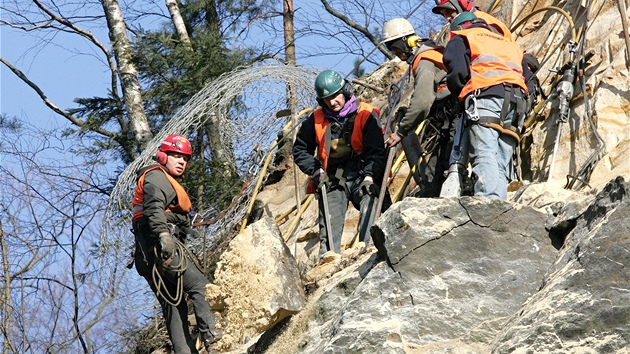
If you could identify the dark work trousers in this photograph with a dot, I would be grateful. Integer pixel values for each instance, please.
(176, 317)
(338, 199)
(433, 173)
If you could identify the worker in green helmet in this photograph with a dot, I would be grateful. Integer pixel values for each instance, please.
(350, 160)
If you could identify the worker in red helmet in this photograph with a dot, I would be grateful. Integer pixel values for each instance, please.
(161, 222)
(451, 8)
(488, 74)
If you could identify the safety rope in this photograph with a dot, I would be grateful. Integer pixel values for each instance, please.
(160, 286)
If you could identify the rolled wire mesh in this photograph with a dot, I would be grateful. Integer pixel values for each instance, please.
(249, 128)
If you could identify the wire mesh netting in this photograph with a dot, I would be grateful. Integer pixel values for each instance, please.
(244, 103)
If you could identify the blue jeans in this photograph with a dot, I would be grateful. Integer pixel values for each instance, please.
(490, 152)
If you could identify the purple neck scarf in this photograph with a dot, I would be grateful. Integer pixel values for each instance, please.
(348, 108)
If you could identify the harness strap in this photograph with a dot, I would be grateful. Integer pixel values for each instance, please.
(507, 95)
(497, 124)
(521, 106)
(327, 139)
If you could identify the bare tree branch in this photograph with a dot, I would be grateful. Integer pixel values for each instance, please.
(47, 102)
(358, 28)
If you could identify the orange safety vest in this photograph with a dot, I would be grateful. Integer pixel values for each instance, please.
(493, 61)
(435, 55)
(183, 206)
(356, 140)
(494, 22)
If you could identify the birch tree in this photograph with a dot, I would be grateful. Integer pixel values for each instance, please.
(126, 113)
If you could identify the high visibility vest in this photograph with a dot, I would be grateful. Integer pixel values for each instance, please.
(356, 139)
(435, 55)
(183, 206)
(493, 61)
(494, 22)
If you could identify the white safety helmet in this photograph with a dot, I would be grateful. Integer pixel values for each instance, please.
(396, 28)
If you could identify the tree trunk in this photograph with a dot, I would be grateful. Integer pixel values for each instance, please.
(6, 295)
(178, 22)
(127, 72)
(292, 102)
(212, 18)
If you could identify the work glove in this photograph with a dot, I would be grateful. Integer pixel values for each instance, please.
(320, 177)
(368, 187)
(400, 113)
(167, 245)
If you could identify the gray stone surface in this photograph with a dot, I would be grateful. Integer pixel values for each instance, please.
(584, 305)
(456, 270)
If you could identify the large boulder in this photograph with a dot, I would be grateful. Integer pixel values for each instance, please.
(257, 284)
(584, 303)
(453, 271)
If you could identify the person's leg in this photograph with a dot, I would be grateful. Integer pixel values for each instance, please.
(176, 317)
(439, 161)
(366, 217)
(337, 206)
(484, 152)
(195, 286)
(483, 158)
(366, 205)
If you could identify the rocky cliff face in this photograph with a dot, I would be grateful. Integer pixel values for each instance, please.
(541, 273)
(474, 275)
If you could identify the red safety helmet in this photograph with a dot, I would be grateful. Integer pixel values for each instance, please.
(174, 143)
(458, 5)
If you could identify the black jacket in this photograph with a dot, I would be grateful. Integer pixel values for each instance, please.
(371, 162)
(158, 195)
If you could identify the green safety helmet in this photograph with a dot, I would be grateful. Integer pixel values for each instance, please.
(328, 83)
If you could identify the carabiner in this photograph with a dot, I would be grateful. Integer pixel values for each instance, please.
(471, 109)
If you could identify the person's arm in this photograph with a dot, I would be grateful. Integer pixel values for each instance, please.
(374, 148)
(457, 62)
(424, 93)
(304, 147)
(527, 75)
(158, 195)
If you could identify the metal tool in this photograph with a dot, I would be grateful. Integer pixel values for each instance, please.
(327, 217)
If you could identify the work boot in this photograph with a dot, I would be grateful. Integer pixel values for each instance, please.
(209, 339)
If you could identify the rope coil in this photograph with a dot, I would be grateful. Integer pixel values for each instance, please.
(157, 271)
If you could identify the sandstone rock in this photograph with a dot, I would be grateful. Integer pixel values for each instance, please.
(259, 283)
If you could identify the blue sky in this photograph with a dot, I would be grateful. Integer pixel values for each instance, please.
(64, 73)
(61, 74)
(68, 67)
